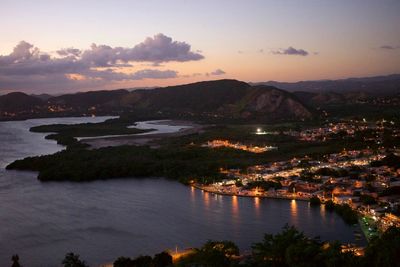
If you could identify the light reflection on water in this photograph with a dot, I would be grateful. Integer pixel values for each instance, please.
(103, 220)
(257, 206)
(293, 210)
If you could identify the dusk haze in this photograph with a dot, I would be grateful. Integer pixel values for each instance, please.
(68, 46)
(179, 133)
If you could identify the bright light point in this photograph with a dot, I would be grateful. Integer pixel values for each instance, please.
(260, 131)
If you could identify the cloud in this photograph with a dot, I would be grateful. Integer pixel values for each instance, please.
(218, 72)
(291, 51)
(161, 48)
(157, 49)
(110, 74)
(389, 47)
(27, 64)
(69, 52)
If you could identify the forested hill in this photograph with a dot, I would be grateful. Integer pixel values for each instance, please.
(230, 99)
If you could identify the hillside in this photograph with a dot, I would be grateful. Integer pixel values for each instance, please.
(374, 86)
(15, 102)
(221, 99)
(226, 98)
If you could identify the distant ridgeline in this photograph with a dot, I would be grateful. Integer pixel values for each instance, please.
(212, 100)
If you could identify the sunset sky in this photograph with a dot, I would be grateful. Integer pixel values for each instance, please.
(66, 46)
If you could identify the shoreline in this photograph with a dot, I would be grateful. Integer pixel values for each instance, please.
(147, 138)
(199, 187)
(306, 199)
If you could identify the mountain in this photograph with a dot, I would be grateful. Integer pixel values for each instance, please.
(16, 102)
(373, 86)
(43, 97)
(222, 98)
(88, 99)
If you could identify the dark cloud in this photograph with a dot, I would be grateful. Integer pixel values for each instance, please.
(389, 47)
(291, 51)
(69, 52)
(218, 72)
(27, 63)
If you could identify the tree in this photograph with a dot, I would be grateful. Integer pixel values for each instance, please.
(228, 248)
(333, 256)
(272, 249)
(15, 260)
(384, 251)
(123, 262)
(142, 261)
(315, 201)
(162, 259)
(212, 254)
(72, 260)
(330, 205)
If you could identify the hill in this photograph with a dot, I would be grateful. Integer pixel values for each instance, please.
(17, 102)
(222, 98)
(374, 86)
(216, 100)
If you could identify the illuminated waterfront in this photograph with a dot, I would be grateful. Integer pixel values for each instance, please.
(105, 219)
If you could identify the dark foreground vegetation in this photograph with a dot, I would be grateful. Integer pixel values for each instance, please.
(289, 248)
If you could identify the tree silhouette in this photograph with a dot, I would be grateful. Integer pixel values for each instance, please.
(72, 260)
(15, 259)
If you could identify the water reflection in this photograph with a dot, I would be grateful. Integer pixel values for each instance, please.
(257, 206)
(193, 193)
(206, 197)
(293, 210)
(235, 206)
(323, 212)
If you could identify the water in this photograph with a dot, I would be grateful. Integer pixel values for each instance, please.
(159, 126)
(105, 219)
(156, 127)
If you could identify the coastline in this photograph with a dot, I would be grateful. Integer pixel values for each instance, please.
(205, 189)
(144, 139)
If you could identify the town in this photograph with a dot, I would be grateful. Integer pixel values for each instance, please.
(367, 180)
(226, 143)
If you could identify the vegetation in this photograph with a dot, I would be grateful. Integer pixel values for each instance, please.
(180, 158)
(213, 253)
(288, 248)
(162, 259)
(15, 260)
(315, 201)
(384, 251)
(72, 260)
(345, 211)
(367, 200)
(66, 134)
(109, 127)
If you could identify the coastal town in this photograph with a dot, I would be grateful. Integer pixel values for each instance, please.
(367, 180)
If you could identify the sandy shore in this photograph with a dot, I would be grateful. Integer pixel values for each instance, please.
(146, 139)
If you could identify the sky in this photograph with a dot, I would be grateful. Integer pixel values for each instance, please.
(49, 46)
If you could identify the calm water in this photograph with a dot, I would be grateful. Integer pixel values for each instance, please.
(106, 219)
